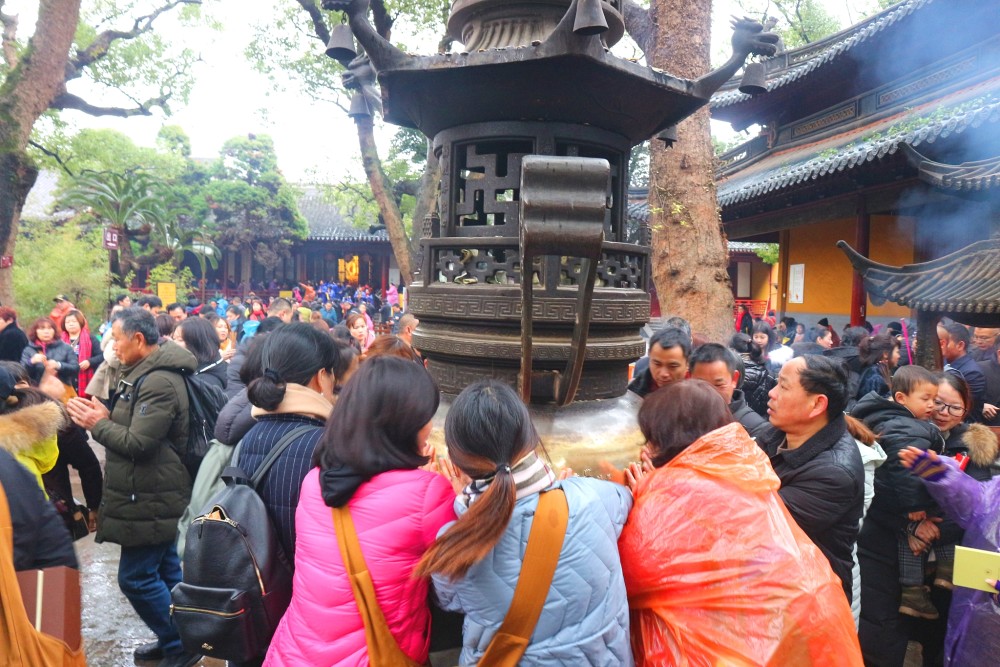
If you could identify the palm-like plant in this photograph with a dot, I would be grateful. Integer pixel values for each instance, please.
(132, 203)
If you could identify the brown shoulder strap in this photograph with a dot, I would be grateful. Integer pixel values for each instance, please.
(548, 530)
(383, 649)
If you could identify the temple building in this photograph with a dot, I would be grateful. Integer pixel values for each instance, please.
(336, 249)
(883, 135)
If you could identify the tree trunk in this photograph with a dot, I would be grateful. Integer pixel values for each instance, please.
(689, 249)
(27, 91)
(383, 197)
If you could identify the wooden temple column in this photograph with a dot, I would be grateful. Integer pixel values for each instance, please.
(928, 346)
(862, 237)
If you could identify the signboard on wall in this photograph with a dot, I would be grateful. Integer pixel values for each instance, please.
(796, 282)
(110, 239)
(167, 293)
(742, 280)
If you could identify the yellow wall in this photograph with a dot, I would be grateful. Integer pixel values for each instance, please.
(827, 285)
(892, 244)
(828, 274)
(760, 282)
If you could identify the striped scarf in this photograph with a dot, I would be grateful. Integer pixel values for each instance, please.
(531, 475)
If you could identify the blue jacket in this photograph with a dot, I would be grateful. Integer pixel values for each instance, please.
(585, 618)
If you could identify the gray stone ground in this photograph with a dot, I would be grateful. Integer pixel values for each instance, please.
(111, 629)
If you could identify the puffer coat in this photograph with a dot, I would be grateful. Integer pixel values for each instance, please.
(146, 486)
(585, 618)
(397, 516)
(56, 350)
(973, 636)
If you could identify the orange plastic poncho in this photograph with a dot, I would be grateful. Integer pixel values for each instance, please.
(718, 572)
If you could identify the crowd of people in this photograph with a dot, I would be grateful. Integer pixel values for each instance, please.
(797, 501)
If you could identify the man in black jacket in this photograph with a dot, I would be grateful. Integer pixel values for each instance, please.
(816, 459)
(721, 368)
(12, 339)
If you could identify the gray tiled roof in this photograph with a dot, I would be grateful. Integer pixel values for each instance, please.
(326, 223)
(968, 176)
(945, 116)
(965, 282)
(811, 57)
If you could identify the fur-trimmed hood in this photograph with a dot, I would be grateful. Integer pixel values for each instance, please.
(982, 444)
(22, 430)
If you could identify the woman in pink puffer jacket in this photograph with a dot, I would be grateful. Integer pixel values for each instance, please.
(371, 465)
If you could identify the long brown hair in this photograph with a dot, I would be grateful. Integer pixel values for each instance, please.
(487, 430)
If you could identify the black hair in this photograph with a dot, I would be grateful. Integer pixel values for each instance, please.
(827, 376)
(671, 337)
(710, 353)
(136, 320)
(488, 429)
(175, 306)
(814, 334)
(675, 416)
(958, 333)
(269, 324)
(375, 422)
(958, 383)
(165, 324)
(907, 379)
(150, 300)
(251, 368)
(17, 371)
(279, 305)
(760, 326)
(119, 298)
(873, 349)
(853, 336)
(294, 352)
(200, 339)
(743, 344)
(235, 310)
(676, 322)
(802, 349)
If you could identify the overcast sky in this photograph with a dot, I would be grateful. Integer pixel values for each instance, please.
(315, 141)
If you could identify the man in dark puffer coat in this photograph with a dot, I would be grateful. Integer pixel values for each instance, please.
(147, 486)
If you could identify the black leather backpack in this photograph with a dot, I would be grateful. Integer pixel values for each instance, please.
(237, 579)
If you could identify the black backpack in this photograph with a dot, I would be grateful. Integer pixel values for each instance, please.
(205, 400)
(237, 579)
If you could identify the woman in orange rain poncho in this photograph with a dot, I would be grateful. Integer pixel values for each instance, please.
(717, 571)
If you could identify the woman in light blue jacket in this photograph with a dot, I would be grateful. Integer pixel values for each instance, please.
(476, 561)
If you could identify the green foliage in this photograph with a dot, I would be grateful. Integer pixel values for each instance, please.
(253, 206)
(105, 150)
(638, 166)
(173, 139)
(147, 66)
(800, 22)
(768, 253)
(60, 258)
(168, 273)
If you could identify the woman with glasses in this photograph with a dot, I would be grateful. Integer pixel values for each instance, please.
(974, 448)
(973, 445)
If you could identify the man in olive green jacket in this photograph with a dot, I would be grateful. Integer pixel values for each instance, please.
(146, 486)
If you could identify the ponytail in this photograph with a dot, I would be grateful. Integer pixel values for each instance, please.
(267, 391)
(475, 533)
(487, 430)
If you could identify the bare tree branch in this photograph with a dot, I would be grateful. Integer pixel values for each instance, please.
(9, 38)
(52, 154)
(640, 24)
(99, 47)
(70, 101)
(316, 17)
(381, 19)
